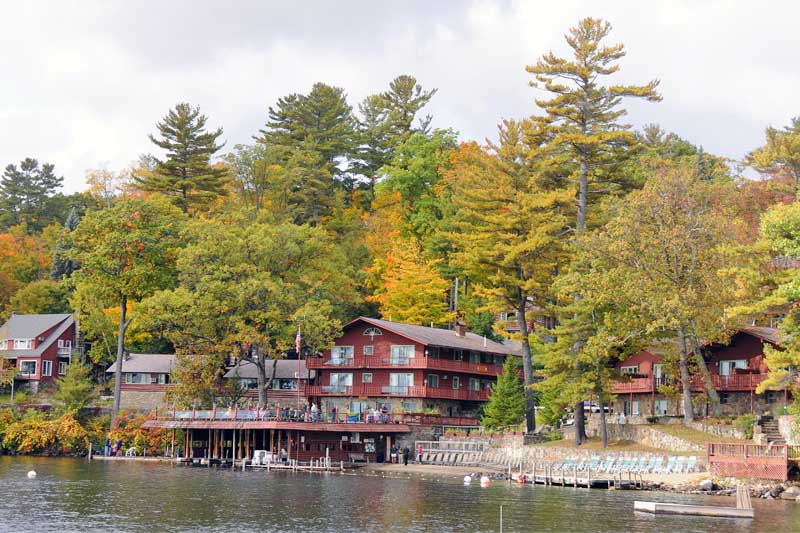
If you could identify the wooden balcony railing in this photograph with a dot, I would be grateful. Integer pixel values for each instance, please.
(429, 363)
(368, 389)
(763, 461)
(734, 382)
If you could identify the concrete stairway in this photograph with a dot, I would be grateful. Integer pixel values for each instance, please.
(769, 427)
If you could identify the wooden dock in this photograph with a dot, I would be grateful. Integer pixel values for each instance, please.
(692, 510)
(572, 477)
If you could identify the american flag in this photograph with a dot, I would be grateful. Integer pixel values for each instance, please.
(298, 342)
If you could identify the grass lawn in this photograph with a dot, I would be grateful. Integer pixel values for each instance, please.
(597, 444)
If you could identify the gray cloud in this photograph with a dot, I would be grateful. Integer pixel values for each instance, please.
(84, 82)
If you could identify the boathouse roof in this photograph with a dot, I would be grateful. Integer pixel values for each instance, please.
(152, 363)
(284, 369)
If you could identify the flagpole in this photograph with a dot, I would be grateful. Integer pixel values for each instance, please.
(298, 344)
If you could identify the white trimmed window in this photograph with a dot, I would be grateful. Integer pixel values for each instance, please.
(62, 367)
(405, 379)
(456, 382)
(47, 368)
(340, 354)
(27, 368)
(3, 344)
(401, 354)
(629, 369)
(474, 384)
(726, 368)
(339, 379)
(368, 349)
(23, 344)
(137, 378)
(366, 377)
(433, 381)
(660, 407)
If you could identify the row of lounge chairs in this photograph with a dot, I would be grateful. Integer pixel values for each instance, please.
(654, 464)
(452, 458)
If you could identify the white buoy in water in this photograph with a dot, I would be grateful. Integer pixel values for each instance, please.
(485, 481)
(467, 480)
(32, 474)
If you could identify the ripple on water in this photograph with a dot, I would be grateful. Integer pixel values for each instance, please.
(74, 495)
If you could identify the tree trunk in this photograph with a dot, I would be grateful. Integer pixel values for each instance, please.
(264, 384)
(686, 386)
(583, 196)
(603, 429)
(580, 424)
(527, 369)
(123, 304)
(713, 397)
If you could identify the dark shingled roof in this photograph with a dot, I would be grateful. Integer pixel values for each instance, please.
(445, 338)
(155, 363)
(770, 335)
(285, 369)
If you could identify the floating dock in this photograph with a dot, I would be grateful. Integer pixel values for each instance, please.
(692, 510)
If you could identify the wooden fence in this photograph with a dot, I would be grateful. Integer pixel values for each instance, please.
(761, 461)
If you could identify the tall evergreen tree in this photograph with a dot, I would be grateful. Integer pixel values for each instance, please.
(186, 176)
(506, 405)
(25, 192)
(62, 266)
(780, 155)
(508, 233)
(587, 143)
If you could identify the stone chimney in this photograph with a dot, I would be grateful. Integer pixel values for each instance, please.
(461, 329)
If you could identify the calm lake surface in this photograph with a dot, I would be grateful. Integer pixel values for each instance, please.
(75, 495)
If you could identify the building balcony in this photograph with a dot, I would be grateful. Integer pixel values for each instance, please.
(425, 363)
(368, 389)
(733, 382)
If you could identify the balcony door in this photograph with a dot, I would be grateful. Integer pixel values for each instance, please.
(399, 382)
(726, 368)
(341, 355)
(340, 381)
(401, 354)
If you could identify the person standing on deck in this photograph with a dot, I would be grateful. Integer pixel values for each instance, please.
(394, 454)
(406, 453)
(313, 412)
(333, 413)
(107, 448)
(419, 453)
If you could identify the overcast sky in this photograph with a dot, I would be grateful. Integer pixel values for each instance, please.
(83, 83)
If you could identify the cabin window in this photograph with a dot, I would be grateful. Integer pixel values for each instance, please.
(658, 371)
(474, 357)
(64, 346)
(401, 354)
(341, 380)
(62, 368)
(433, 352)
(504, 316)
(456, 382)
(161, 379)
(27, 368)
(136, 378)
(23, 344)
(368, 349)
(433, 381)
(458, 355)
(366, 377)
(723, 397)
(629, 369)
(3, 344)
(284, 384)
(47, 368)
(726, 368)
(248, 383)
(405, 379)
(474, 384)
(340, 354)
(771, 397)
(660, 407)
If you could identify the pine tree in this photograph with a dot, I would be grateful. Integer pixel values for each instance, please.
(507, 232)
(25, 193)
(780, 155)
(186, 176)
(506, 405)
(63, 267)
(587, 144)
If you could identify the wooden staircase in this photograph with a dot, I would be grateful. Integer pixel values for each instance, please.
(769, 427)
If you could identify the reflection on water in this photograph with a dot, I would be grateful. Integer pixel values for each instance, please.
(72, 494)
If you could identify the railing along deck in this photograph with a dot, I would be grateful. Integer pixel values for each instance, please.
(366, 389)
(733, 382)
(762, 461)
(430, 363)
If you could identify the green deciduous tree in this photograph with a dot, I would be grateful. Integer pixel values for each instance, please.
(75, 390)
(245, 290)
(41, 297)
(186, 176)
(63, 267)
(126, 253)
(506, 405)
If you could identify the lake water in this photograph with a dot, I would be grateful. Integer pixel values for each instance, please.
(75, 495)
